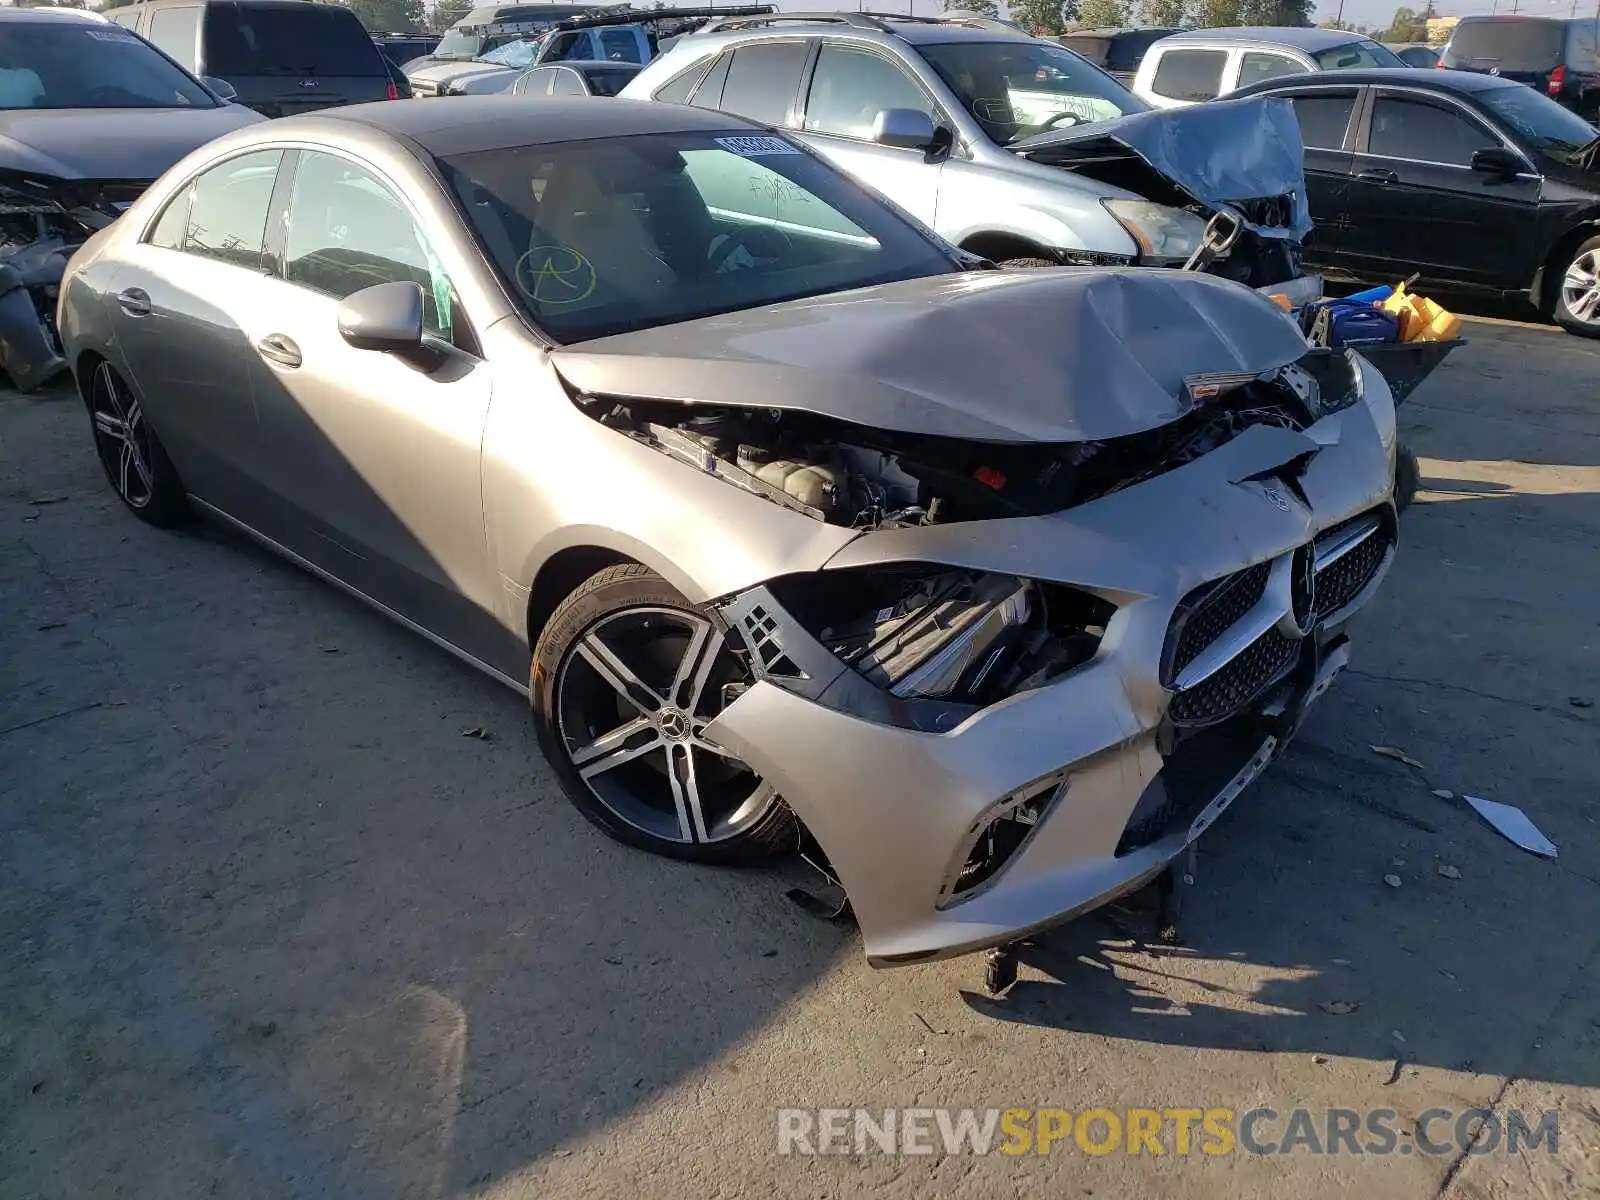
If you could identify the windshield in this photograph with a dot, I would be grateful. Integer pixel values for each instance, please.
(60, 64)
(513, 54)
(1511, 45)
(612, 235)
(1357, 54)
(1539, 120)
(1019, 89)
(274, 39)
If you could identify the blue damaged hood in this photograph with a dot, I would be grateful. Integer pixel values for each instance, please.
(1224, 152)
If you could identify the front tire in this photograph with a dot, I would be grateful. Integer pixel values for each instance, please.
(1577, 292)
(135, 462)
(626, 676)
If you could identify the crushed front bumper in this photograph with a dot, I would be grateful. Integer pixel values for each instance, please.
(1126, 760)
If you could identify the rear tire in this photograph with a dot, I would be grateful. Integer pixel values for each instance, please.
(626, 675)
(1577, 292)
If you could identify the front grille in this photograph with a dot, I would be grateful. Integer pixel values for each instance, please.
(1192, 776)
(1341, 581)
(1235, 685)
(1270, 212)
(1212, 609)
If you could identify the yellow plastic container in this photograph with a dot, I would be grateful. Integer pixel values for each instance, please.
(1421, 320)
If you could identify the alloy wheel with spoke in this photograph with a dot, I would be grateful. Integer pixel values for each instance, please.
(632, 701)
(1580, 287)
(121, 436)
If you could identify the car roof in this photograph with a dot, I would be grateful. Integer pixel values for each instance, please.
(882, 27)
(1444, 81)
(1300, 39)
(1509, 19)
(468, 124)
(70, 16)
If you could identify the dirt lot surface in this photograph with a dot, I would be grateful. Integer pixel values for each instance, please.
(272, 926)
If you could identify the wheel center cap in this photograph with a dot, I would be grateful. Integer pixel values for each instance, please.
(673, 723)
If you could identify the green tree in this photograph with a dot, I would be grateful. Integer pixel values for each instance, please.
(1167, 14)
(1407, 26)
(447, 12)
(977, 8)
(388, 16)
(1042, 18)
(1104, 14)
(1217, 14)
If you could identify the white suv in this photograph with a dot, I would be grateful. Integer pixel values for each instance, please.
(1011, 147)
(1191, 68)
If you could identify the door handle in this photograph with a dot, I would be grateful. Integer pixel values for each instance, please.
(134, 301)
(1378, 175)
(279, 349)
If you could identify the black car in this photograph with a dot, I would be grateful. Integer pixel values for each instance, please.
(401, 48)
(278, 56)
(1117, 52)
(1561, 58)
(1475, 182)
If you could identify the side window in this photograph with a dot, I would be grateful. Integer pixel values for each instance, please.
(169, 230)
(676, 90)
(127, 17)
(1424, 133)
(228, 210)
(177, 31)
(1323, 119)
(536, 82)
(709, 94)
(1189, 74)
(620, 45)
(850, 87)
(762, 80)
(567, 83)
(567, 45)
(1257, 65)
(348, 231)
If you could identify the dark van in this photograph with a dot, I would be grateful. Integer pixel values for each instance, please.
(1560, 58)
(279, 56)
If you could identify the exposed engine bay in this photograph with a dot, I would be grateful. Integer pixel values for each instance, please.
(42, 222)
(865, 478)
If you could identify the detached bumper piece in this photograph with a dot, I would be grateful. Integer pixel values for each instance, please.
(29, 351)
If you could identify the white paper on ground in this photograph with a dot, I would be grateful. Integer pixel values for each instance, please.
(1513, 824)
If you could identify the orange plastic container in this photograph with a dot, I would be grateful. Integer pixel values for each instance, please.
(1421, 320)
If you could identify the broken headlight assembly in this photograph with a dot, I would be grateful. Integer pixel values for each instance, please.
(915, 645)
(1325, 381)
(1161, 231)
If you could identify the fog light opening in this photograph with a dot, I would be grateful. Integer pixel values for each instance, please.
(997, 837)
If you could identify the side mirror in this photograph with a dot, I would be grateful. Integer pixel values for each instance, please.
(386, 317)
(1497, 160)
(223, 89)
(904, 128)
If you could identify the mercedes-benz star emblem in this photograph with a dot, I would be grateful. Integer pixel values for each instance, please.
(1277, 498)
(674, 724)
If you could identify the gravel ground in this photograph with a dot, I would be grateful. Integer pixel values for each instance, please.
(273, 927)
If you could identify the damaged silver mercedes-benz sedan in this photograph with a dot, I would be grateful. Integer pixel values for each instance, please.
(992, 588)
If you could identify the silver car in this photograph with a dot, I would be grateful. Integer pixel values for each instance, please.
(798, 527)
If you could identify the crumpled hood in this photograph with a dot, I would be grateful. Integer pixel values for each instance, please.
(1222, 152)
(1063, 355)
(110, 143)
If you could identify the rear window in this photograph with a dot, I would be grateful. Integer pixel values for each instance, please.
(1128, 49)
(307, 39)
(1189, 74)
(1358, 55)
(1522, 45)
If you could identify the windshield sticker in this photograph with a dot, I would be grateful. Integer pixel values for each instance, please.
(755, 147)
(551, 276)
(111, 35)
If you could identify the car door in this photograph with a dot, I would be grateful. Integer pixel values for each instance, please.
(850, 84)
(183, 297)
(376, 457)
(1417, 205)
(1325, 119)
